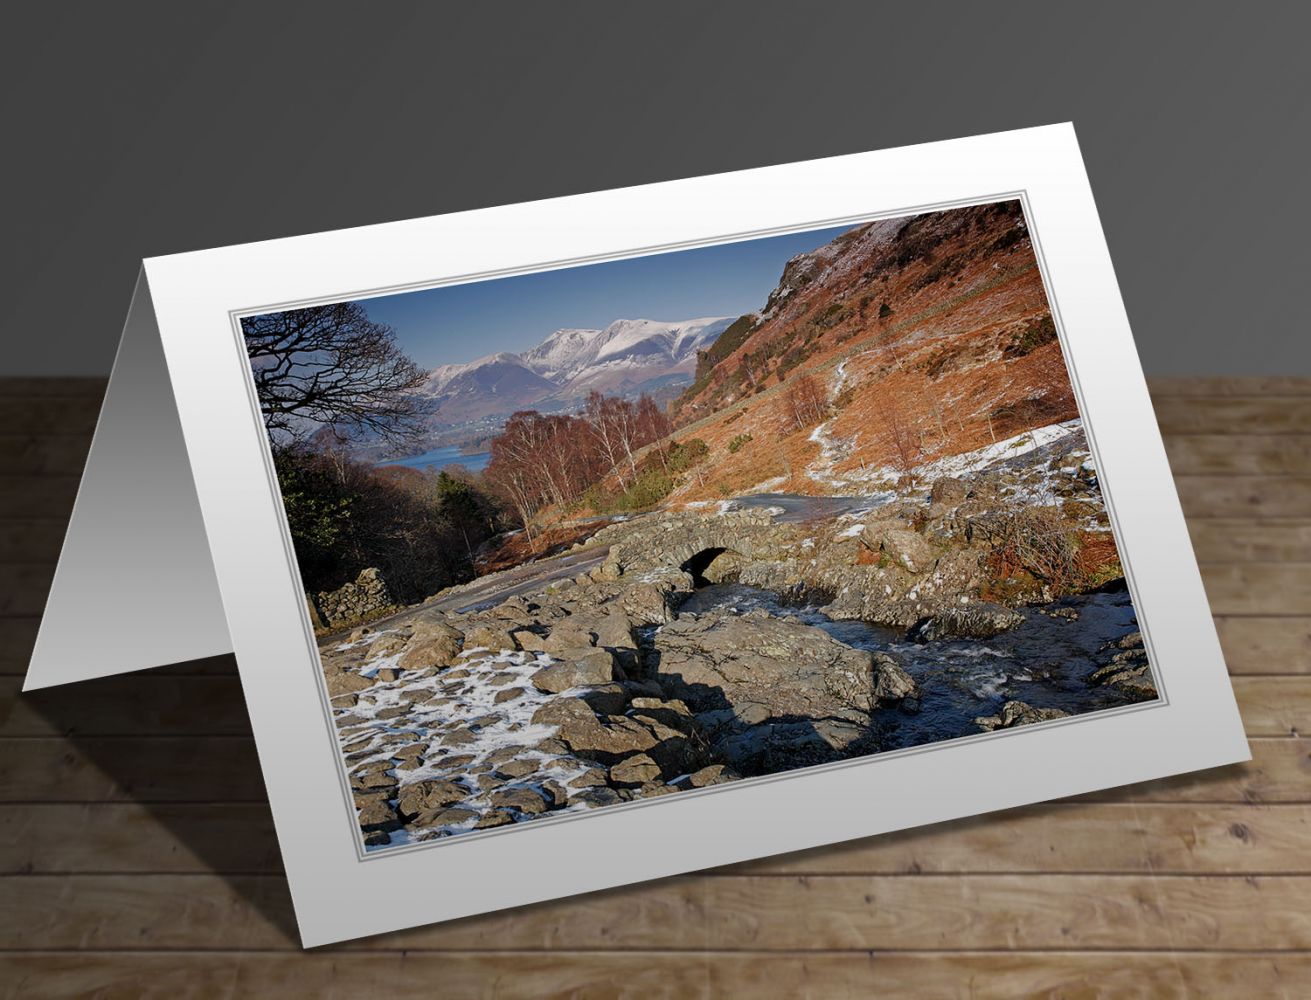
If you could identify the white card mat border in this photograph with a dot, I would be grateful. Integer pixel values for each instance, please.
(177, 506)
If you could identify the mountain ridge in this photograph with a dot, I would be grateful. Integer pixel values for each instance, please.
(621, 358)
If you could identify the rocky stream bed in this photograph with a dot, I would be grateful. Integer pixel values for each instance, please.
(709, 647)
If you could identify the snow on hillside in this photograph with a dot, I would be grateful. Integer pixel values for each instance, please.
(564, 353)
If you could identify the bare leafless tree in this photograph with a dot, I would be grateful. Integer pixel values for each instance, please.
(902, 438)
(805, 402)
(332, 366)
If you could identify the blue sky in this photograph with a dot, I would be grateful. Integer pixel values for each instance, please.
(459, 323)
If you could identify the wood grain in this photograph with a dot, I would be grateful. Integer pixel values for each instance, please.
(166, 769)
(1238, 454)
(1258, 588)
(1267, 415)
(1265, 645)
(137, 854)
(722, 913)
(1245, 496)
(1065, 837)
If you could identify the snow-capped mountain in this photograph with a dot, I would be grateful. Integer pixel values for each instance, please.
(498, 383)
(563, 353)
(626, 358)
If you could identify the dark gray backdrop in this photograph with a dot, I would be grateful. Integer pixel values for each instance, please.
(140, 129)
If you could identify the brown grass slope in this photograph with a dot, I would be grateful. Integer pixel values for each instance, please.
(931, 335)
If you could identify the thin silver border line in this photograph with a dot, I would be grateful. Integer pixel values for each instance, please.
(235, 315)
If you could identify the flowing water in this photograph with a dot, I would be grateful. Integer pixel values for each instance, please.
(1042, 661)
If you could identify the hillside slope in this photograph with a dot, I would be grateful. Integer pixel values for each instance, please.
(918, 337)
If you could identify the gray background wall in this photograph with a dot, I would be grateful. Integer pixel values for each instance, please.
(140, 129)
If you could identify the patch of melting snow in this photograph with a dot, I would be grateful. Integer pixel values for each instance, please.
(981, 458)
(378, 732)
(366, 639)
(768, 486)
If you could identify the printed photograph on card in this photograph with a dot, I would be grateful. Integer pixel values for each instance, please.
(603, 533)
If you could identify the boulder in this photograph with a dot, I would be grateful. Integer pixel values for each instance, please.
(518, 797)
(582, 667)
(908, 550)
(377, 815)
(424, 796)
(789, 669)
(606, 699)
(715, 774)
(634, 771)
(519, 768)
(948, 492)
(433, 644)
(892, 684)
(488, 637)
(454, 816)
(1127, 669)
(341, 682)
(980, 620)
(606, 739)
(1018, 713)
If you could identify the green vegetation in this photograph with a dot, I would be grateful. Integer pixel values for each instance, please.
(727, 342)
(682, 457)
(736, 444)
(885, 311)
(1039, 332)
(650, 486)
(418, 528)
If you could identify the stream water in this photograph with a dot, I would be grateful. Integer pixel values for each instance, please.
(1042, 661)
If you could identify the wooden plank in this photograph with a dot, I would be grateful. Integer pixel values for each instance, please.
(1258, 588)
(1244, 496)
(73, 414)
(505, 976)
(53, 385)
(34, 542)
(1013, 974)
(1262, 645)
(1274, 706)
(48, 498)
(149, 702)
(226, 769)
(1262, 414)
(756, 913)
(1065, 837)
(130, 837)
(199, 769)
(1239, 454)
(1228, 385)
(150, 912)
(24, 587)
(1233, 540)
(1279, 771)
(681, 975)
(955, 913)
(17, 637)
(39, 455)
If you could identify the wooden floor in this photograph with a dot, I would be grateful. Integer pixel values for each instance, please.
(138, 855)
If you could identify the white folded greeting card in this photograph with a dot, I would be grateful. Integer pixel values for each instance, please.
(580, 542)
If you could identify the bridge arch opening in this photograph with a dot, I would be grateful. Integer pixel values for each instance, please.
(697, 565)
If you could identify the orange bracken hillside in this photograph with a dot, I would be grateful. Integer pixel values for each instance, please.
(929, 335)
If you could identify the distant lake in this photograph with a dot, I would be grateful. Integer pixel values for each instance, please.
(439, 458)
